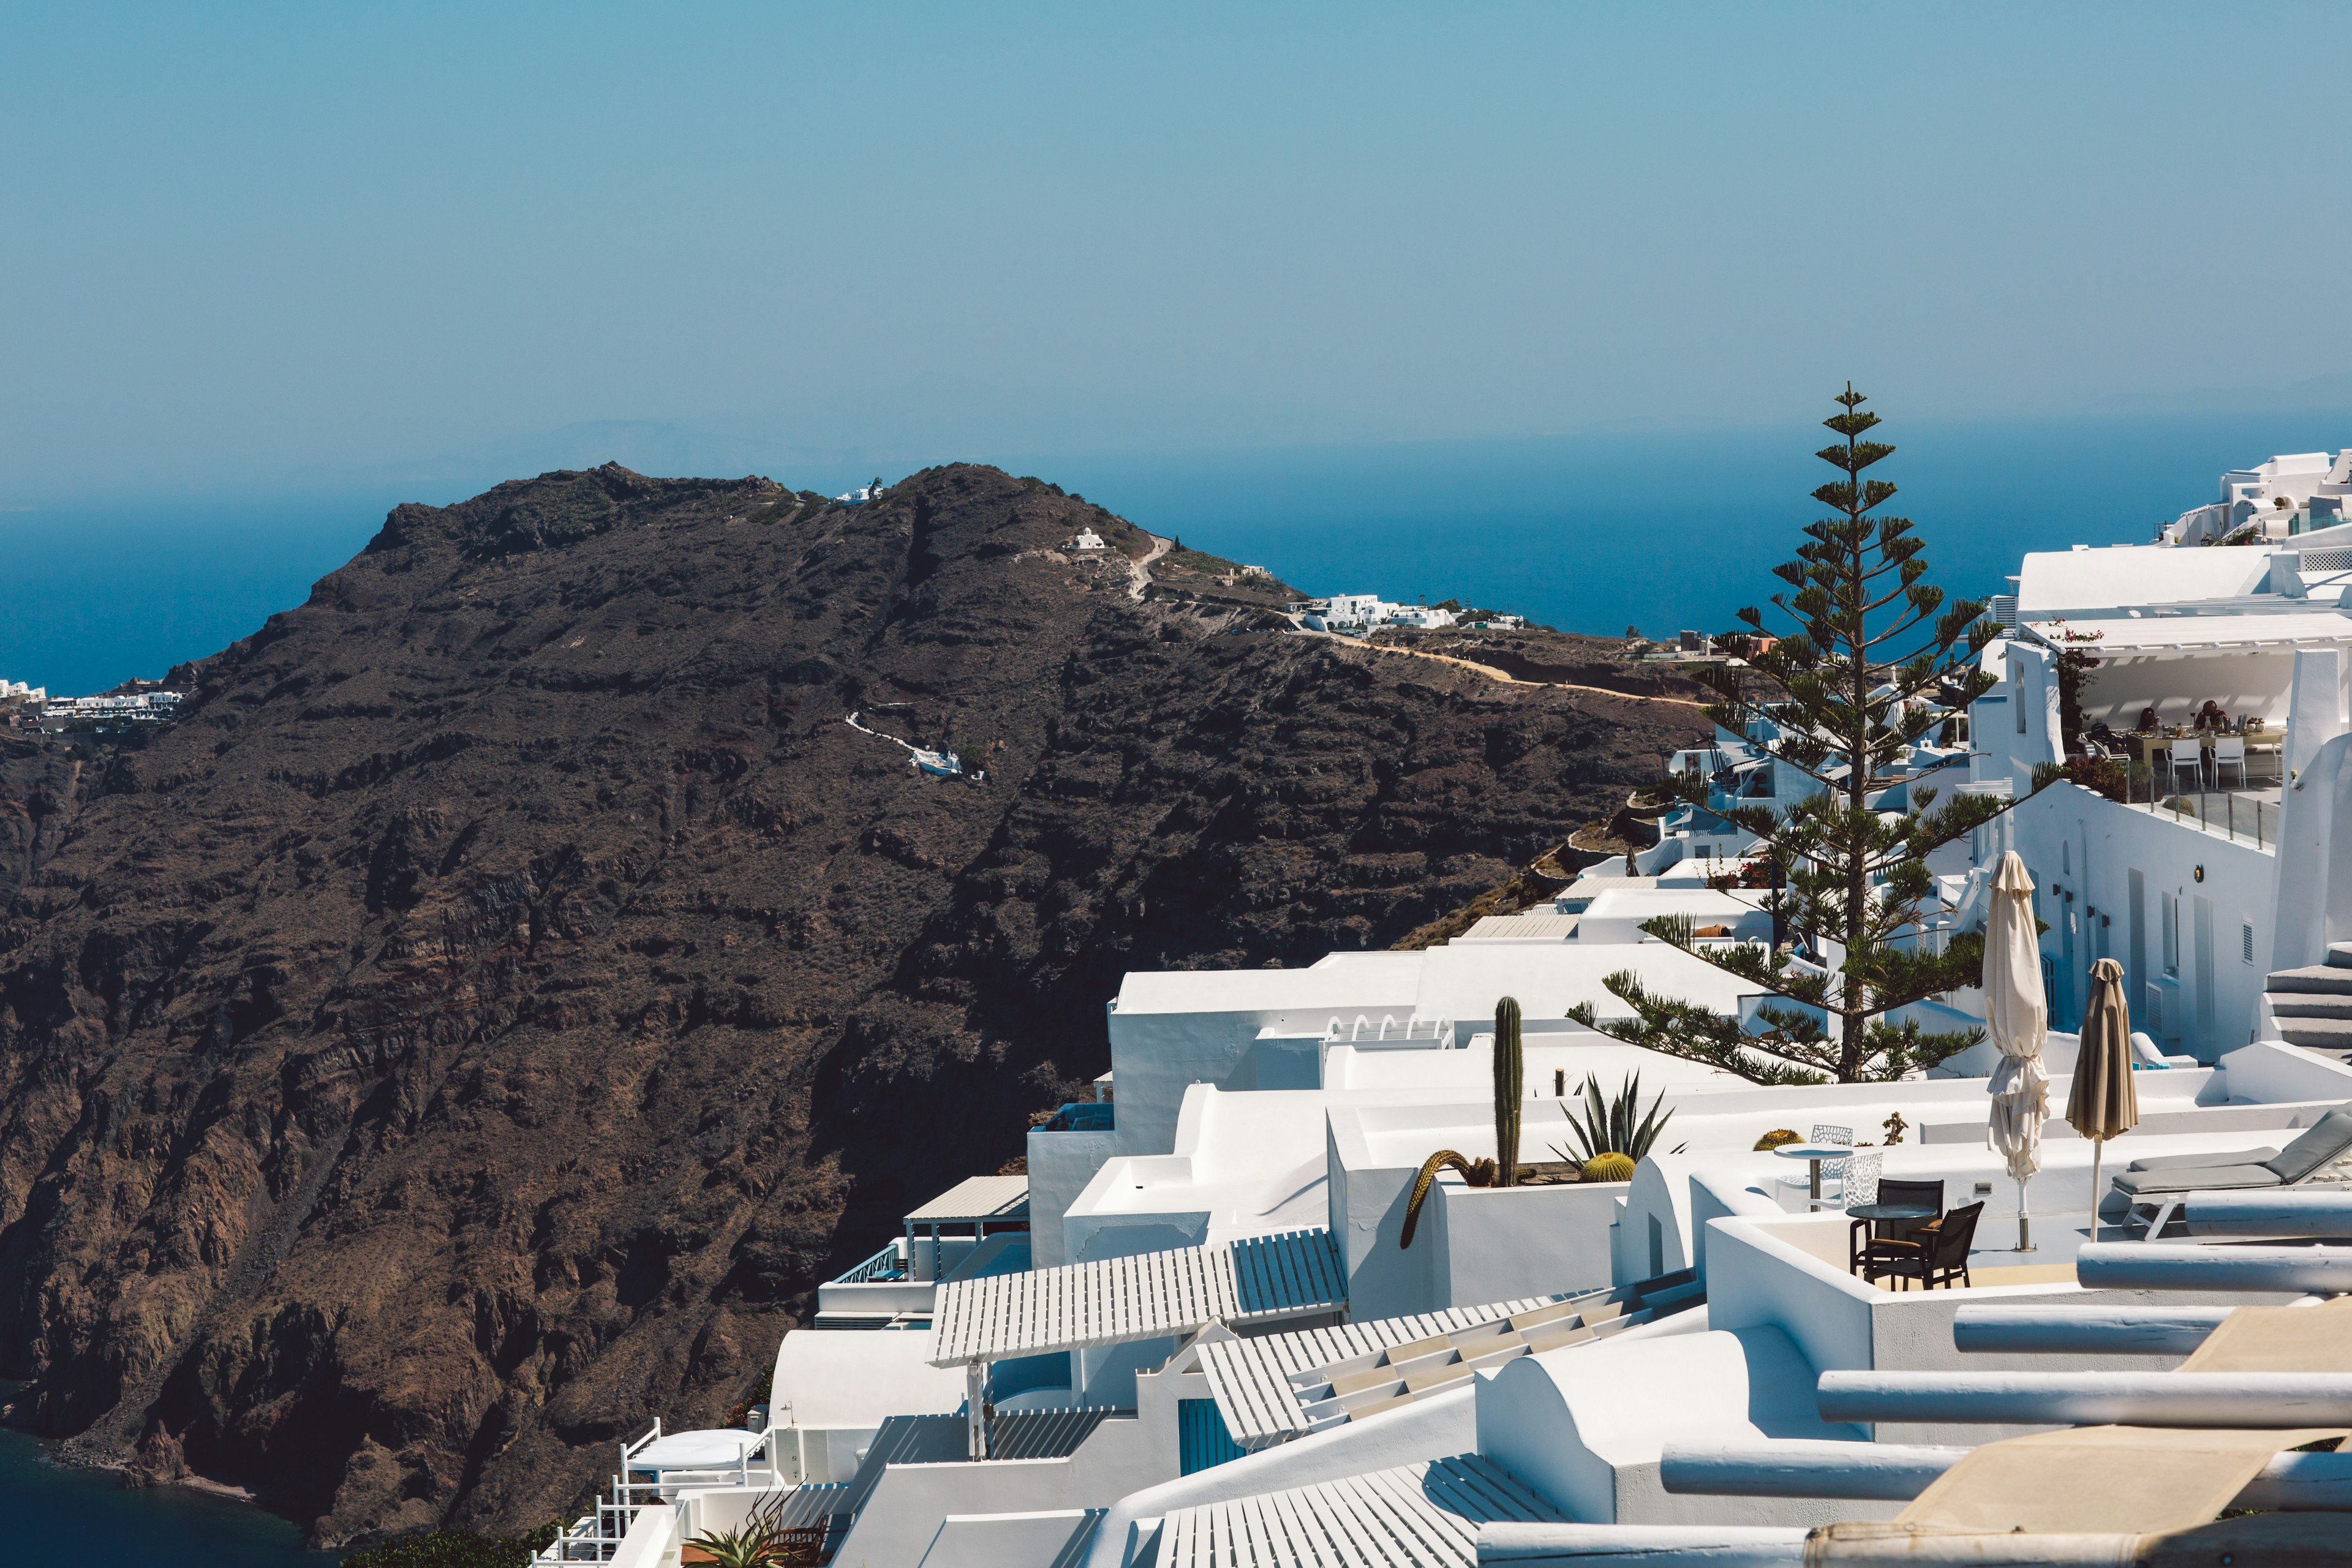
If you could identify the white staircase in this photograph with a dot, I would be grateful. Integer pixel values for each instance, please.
(2312, 1004)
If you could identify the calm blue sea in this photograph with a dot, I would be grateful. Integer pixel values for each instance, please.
(58, 1515)
(1656, 530)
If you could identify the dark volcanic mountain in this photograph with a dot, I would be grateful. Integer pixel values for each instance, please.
(477, 1024)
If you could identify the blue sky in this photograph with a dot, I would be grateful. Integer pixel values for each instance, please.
(247, 243)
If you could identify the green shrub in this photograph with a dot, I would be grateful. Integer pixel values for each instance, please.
(452, 1548)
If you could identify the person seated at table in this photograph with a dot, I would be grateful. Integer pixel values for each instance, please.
(2147, 720)
(2211, 716)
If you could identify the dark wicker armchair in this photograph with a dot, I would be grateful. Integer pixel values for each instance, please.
(1864, 1243)
(1934, 1254)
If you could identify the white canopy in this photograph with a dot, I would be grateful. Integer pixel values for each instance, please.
(2207, 634)
(709, 1450)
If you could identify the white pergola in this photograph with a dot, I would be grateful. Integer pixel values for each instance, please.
(1117, 1300)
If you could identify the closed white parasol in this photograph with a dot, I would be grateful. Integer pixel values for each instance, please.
(2017, 1013)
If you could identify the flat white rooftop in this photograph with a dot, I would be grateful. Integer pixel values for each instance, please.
(1459, 981)
(2091, 582)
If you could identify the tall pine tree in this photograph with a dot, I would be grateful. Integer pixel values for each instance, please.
(1875, 662)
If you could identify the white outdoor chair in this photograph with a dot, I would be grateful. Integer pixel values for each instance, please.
(2190, 754)
(1862, 1177)
(2229, 752)
(1832, 1170)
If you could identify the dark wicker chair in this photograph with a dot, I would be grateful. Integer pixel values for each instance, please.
(1865, 1239)
(1938, 1253)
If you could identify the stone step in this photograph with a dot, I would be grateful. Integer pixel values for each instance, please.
(2320, 1033)
(2314, 977)
(2311, 1004)
(2339, 955)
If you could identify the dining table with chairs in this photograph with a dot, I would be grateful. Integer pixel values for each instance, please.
(2209, 755)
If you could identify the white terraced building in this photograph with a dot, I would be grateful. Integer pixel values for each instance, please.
(1191, 1336)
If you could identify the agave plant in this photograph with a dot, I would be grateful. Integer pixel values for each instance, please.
(1616, 1126)
(755, 1543)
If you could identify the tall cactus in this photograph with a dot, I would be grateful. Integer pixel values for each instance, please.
(1511, 1090)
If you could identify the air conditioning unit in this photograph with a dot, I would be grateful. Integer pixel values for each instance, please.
(2162, 1019)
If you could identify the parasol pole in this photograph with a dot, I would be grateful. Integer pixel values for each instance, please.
(2098, 1149)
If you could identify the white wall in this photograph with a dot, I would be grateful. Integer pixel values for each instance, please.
(902, 1517)
(1158, 1052)
(2077, 842)
(1003, 1539)
(2033, 687)
(1756, 1279)
(2273, 1071)
(1367, 1218)
(1585, 1428)
(652, 1539)
(2314, 897)
(1499, 1244)
(1060, 1166)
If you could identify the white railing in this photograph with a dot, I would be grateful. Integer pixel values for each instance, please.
(597, 1536)
(890, 1263)
(1390, 1029)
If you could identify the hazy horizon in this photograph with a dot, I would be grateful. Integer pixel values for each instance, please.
(257, 249)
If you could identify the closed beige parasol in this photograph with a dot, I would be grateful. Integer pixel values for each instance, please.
(2103, 1103)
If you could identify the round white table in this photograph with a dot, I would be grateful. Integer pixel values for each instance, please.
(1815, 1153)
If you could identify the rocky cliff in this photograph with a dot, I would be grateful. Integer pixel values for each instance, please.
(477, 1024)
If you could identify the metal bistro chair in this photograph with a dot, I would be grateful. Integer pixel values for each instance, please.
(1834, 1170)
(1890, 1240)
(2229, 752)
(2191, 754)
(1938, 1253)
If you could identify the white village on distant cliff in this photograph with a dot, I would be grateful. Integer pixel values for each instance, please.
(1796, 1323)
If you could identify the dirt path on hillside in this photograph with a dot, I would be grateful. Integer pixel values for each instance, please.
(1138, 572)
(1505, 677)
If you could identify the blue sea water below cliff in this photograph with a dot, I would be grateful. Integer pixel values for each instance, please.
(60, 1515)
(1660, 529)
